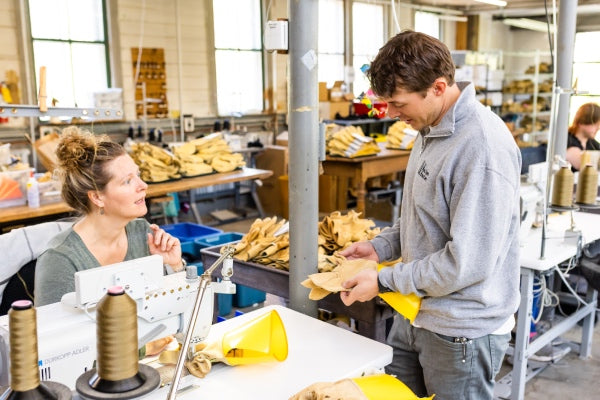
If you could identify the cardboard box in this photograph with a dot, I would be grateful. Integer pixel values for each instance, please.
(46, 150)
(323, 91)
(282, 139)
(329, 110)
(273, 158)
(336, 93)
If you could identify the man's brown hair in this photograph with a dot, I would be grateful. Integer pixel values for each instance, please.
(411, 61)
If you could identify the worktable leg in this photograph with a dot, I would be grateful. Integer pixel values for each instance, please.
(519, 370)
(193, 206)
(361, 193)
(257, 203)
(587, 331)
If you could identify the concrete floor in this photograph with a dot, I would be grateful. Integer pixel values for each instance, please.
(568, 378)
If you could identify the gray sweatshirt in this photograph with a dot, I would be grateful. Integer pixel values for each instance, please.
(459, 226)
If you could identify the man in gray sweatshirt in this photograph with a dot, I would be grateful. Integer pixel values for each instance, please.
(457, 236)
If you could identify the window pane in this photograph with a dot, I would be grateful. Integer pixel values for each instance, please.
(587, 77)
(88, 60)
(331, 26)
(67, 19)
(49, 19)
(427, 23)
(237, 24)
(366, 42)
(239, 81)
(584, 41)
(73, 73)
(367, 28)
(59, 75)
(86, 20)
(331, 68)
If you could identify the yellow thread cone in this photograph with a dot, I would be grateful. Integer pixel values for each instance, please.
(407, 305)
(385, 387)
(262, 339)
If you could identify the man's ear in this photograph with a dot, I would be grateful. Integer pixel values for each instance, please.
(439, 86)
(96, 198)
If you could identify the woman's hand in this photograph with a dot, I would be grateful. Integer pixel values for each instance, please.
(162, 243)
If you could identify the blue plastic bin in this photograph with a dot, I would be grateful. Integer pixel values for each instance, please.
(218, 239)
(224, 300)
(246, 296)
(187, 233)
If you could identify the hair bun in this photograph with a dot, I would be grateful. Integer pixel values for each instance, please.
(76, 149)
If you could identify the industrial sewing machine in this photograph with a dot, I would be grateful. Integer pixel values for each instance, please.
(67, 330)
(531, 193)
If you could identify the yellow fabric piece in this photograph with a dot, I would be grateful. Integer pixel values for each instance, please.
(324, 283)
(261, 339)
(345, 389)
(407, 305)
(385, 387)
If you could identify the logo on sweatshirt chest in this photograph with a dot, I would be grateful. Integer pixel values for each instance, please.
(423, 171)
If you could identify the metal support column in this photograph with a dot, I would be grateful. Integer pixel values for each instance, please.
(567, 19)
(303, 114)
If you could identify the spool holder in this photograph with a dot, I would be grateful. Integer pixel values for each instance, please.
(205, 280)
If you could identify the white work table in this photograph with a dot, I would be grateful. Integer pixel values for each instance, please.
(317, 352)
(556, 251)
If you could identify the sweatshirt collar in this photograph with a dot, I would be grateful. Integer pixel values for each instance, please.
(466, 100)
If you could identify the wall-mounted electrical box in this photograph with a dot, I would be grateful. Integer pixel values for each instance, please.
(276, 36)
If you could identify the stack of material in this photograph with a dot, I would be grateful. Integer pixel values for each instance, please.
(213, 151)
(156, 164)
(401, 136)
(349, 142)
(197, 157)
(263, 245)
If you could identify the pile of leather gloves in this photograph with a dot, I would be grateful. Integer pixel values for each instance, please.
(212, 150)
(267, 241)
(349, 142)
(401, 136)
(156, 164)
(197, 157)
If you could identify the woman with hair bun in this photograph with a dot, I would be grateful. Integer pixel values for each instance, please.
(103, 183)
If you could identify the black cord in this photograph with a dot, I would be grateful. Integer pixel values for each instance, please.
(549, 35)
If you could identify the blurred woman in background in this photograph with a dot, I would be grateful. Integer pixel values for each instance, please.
(582, 133)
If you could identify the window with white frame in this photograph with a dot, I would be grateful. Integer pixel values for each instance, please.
(427, 23)
(586, 68)
(69, 39)
(331, 41)
(238, 56)
(367, 39)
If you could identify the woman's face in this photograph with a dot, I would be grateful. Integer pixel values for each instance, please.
(125, 193)
(589, 130)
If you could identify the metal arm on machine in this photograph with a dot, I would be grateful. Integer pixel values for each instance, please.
(205, 279)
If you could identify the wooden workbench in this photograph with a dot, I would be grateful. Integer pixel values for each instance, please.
(362, 168)
(23, 213)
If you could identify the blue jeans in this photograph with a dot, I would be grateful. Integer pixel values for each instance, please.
(450, 368)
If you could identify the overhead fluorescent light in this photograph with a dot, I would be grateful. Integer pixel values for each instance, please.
(457, 18)
(499, 3)
(526, 23)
